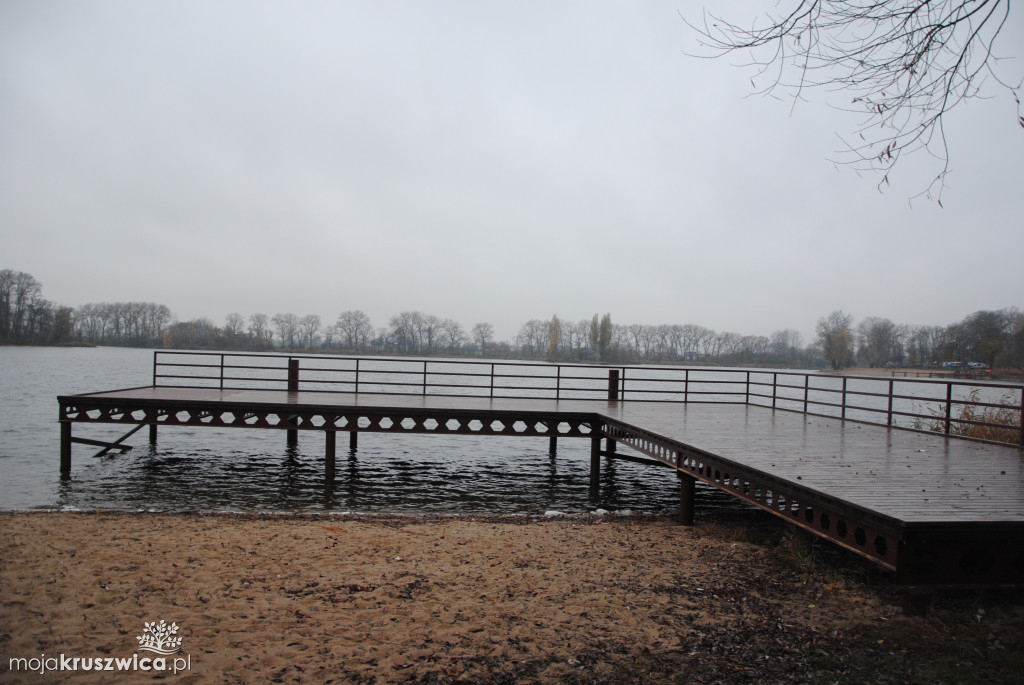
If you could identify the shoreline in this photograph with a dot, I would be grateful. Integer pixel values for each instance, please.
(379, 598)
(1000, 374)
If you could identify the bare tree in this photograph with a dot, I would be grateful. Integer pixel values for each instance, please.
(310, 325)
(234, 324)
(786, 344)
(329, 333)
(356, 328)
(906, 64)
(1015, 343)
(454, 333)
(581, 331)
(533, 337)
(19, 293)
(879, 340)
(259, 329)
(287, 325)
(835, 335)
(406, 331)
(482, 333)
(554, 336)
(429, 329)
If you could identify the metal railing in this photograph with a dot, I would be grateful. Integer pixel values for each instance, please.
(990, 411)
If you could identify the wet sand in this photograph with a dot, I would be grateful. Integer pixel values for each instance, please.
(432, 599)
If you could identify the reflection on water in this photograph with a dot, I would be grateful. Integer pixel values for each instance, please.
(211, 471)
(254, 470)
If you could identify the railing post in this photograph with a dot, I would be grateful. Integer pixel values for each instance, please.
(558, 382)
(492, 381)
(889, 413)
(842, 409)
(807, 387)
(357, 376)
(613, 385)
(155, 353)
(424, 378)
(1022, 417)
(746, 399)
(949, 406)
(686, 386)
(222, 372)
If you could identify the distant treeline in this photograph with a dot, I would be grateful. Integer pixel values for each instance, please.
(26, 317)
(995, 338)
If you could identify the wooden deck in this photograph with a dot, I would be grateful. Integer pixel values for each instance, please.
(936, 510)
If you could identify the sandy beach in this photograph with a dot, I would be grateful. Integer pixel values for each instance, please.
(429, 599)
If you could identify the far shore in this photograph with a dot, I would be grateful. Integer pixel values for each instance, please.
(911, 372)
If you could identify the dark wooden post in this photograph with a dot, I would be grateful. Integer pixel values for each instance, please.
(686, 491)
(1022, 417)
(888, 415)
(553, 444)
(152, 434)
(613, 385)
(353, 440)
(843, 409)
(65, 449)
(595, 459)
(949, 408)
(329, 456)
(293, 386)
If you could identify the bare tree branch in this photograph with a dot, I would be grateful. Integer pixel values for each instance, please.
(906, 63)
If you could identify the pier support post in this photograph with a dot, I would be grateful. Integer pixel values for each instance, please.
(293, 386)
(353, 440)
(329, 452)
(65, 449)
(553, 445)
(595, 460)
(609, 446)
(686, 491)
(152, 434)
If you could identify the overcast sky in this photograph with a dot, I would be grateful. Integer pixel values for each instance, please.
(493, 162)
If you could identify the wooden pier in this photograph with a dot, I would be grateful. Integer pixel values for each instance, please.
(934, 509)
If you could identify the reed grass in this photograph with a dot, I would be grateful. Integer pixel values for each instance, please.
(1001, 423)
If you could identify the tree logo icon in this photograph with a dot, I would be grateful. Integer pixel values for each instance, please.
(159, 638)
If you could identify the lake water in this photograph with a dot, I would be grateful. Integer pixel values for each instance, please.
(207, 469)
(210, 469)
